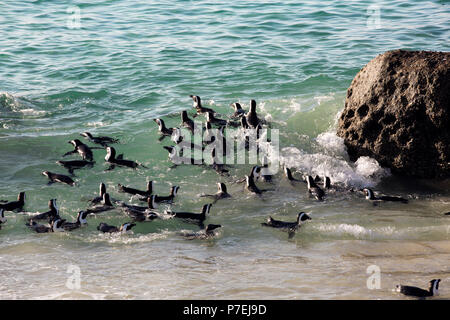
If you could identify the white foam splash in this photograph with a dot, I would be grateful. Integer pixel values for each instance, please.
(331, 142)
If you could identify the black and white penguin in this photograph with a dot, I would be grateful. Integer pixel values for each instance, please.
(133, 191)
(80, 221)
(187, 122)
(102, 191)
(198, 105)
(179, 140)
(75, 164)
(221, 193)
(106, 205)
(178, 160)
(162, 129)
(2, 217)
(14, 205)
(111, 158)
(56, 177)
(84, 151)
(251, 186)
(105, 228)
(103, 141)
(50, 215)
(326, 182)
(251, 116)
(291, 227)
(198, 218)
(290, 177)
(55, 226)
(418, 292)
(151, 204)
(238, 111)
(213, 120)
(206, 233)
(244, 123)
(170, 197)
(217, 165)
(370, 195)
(313, 189)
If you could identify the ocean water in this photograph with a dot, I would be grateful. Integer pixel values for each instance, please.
(110, 67)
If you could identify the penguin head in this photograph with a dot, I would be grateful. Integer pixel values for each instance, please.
(107, 200)
(197, 101)
(302, 217)
(210, 227)
(326, 182)
(46, 173)
(21, 196)
(86, 134)
(102, 189)
(110, 153)
(81, 217)
(56, 225)
(151, 201)
(54, 207)
(236, 106)
(174, 190)
(368, 193)
(126, 227)
(150, 186)
(206, 208)
(434, 287)
(184, 115)
(2, 216)
(75, 142)
(160, 123)
(256, 172)
(222, 187)
(252, 106)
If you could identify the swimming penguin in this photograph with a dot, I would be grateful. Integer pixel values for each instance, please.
(252, 118)
(254, 173)
(50, 215)
(314, 189)
(371, 196)
(326, 182)
(75, 164)
(147, 192)
(55, 226)
(81, 220)
(186, 122)
(210, 118)
(170, 197)
(14, 205)
(291, 227)
(221, 193)
(103, 141)
(101, 193)
(179, 140)
(177, 160)
(103, 227)
(251, 186)
(197, 218)
(56, 177)
(244, 123)
(216, 165)
(238, 111)
(84, 151)
(198, 105)
(290, 177)
(206, 233)
(162, 129)
(151, 204)
(111, 158)
(106, 205)
(418, 292)
(2, 217)
(264, 169)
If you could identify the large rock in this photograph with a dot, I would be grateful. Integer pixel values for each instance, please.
(397, 112)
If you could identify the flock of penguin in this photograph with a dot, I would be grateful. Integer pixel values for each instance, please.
(103, 202)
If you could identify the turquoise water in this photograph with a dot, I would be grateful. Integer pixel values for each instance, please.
(125, 64)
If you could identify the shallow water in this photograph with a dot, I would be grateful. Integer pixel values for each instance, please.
(129, 63)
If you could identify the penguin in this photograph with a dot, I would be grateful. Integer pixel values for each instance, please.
(80, 221)
(179, 140)
(264, 168)
(238, 111)
(142, 216)
(151, 204)
(198, 105)
(313, 189)
(170, 197)
(254, 174)
(418, 292)
(186, 122)
(111, 158)
(371, 196)
(197, 218)
(177, 160)
(105, 206)
(147, 192)
(206, 233)
(75, 164)
(101, 193)
(56, 177)
(103, 141)
(251, 186)
(291, 227)
(326, 182)
(55, 226)
(162, 129)
(2, 217)
(290, 177)
(210, 118)
(251, 116)
(244, 123)
(14, 205)
(216, 165)
(124, 228)
(221, 193)
(447, 214)
(84, 151)
(50, 215)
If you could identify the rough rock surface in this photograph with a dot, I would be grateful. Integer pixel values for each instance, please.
(397, 111)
